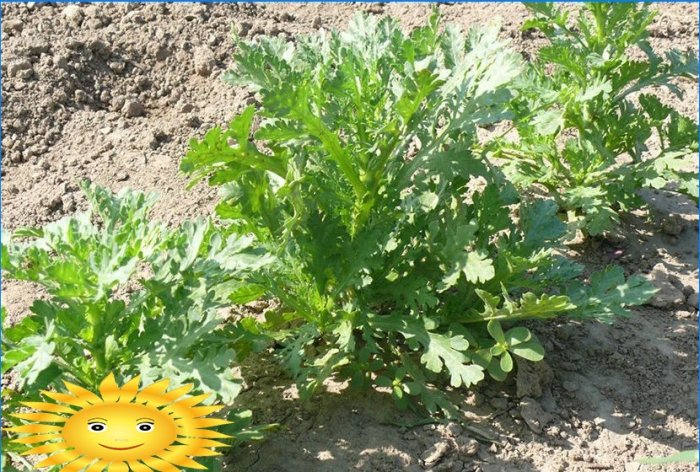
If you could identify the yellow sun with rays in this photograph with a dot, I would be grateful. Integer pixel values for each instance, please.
(122, 429)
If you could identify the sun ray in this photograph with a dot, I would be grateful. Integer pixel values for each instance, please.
(160, 465)
(139, 467)
(58, 459)
(47, 448)
(123, 429)
(82, 393)
(64, 398)
(198, 411)
(130, 389)
(49, 407)
(181, 460)
(37, 438)
(35, 428)
(153, 394)
(77, 465)
(192, 401)
(98, 466)
(42, 417)
(176, 393)
(109, 390)
(118, 467)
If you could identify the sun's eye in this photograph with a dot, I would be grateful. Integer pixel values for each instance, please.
(145, 427)
(97, 427)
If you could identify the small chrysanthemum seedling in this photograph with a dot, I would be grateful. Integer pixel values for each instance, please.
(586, 114)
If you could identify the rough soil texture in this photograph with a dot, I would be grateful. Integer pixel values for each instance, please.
(113, 92)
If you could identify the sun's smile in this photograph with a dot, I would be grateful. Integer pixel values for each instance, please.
(120, 448)
(165, 427)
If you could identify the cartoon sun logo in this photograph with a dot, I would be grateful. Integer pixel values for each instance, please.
(126, 429)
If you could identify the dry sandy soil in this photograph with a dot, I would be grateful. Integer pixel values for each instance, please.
(113, 92)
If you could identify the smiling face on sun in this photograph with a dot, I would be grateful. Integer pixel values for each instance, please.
(123, 429)
(120, 431)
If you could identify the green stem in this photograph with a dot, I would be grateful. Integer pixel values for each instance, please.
(332, 144)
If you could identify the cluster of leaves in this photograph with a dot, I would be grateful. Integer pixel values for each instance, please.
(585, 115)
(124, 295)
(399, 263)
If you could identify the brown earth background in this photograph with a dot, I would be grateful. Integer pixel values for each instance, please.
(113, 92)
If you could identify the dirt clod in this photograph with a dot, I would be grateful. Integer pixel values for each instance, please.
(435, 453)
(74, 14)
(668, 294)
(533, 414)
(132, 109)
(204, 61)
(532, 378)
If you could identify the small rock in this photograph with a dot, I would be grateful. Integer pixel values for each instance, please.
(73, 13)
(533, 414)
(117, 67)
(93, 23)
(570, 385)
(122, 176)
(92, 11)
(15, 68)
(68, 202)
(317, 22)
(692, 300)
(667, 295)
(118, 103)
(688, 290)
(132, 109)
(204, 61)
(658, 415)
(435, 453)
